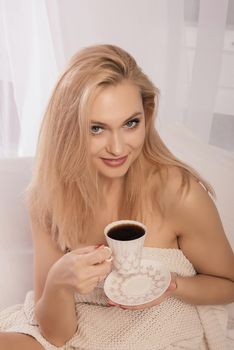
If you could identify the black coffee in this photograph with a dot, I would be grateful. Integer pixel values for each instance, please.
(126, 232)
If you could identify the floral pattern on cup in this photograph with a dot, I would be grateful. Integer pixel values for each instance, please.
(128, 263)
(126, 253)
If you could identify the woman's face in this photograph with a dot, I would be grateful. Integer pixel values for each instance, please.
(117, 129)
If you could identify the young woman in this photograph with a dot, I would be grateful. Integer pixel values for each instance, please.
(100, 159)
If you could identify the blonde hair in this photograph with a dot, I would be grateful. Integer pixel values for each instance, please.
(64, 191)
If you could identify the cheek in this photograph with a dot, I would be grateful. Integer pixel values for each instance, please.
(96, 144)
(138, 139)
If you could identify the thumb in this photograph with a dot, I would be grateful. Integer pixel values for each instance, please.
(173, 284)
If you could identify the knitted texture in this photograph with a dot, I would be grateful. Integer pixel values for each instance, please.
(172, 325)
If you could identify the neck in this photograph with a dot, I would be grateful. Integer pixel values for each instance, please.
(109, 186)
(111, 192)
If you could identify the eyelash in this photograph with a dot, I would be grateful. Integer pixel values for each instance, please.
(135, 120)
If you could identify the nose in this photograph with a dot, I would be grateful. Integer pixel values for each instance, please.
(116, 144)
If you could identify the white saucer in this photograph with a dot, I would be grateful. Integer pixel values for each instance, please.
(149, 284)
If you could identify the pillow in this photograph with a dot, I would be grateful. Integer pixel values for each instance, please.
(16, 258)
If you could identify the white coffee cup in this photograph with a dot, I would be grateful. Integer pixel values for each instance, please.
(126, 240)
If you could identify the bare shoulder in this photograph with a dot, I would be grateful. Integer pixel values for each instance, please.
(193, 202)
(170, 182)
(199, 228)
(179, 193)
(190, 205)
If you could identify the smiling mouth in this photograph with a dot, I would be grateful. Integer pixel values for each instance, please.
(114, 162)
(115, 159)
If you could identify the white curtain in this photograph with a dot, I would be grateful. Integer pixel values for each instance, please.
(28, 69)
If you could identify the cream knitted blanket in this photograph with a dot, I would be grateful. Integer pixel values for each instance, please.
(170, 325)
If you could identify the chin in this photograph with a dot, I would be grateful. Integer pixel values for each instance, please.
(113, 173)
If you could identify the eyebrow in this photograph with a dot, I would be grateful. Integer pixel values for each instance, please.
(132, 116)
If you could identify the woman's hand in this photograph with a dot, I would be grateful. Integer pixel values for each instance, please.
(81, 270)
(166, 294)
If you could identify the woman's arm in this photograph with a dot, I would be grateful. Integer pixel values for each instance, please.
(202, 239)
(56, 278)
(51, 301)
(56, 316)
(204, 290)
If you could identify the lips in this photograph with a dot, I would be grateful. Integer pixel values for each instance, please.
(115, 159)
(114, 162)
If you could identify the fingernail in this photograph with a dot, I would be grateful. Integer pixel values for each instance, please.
(99, 245)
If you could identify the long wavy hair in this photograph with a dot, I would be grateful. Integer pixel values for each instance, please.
(64, 191)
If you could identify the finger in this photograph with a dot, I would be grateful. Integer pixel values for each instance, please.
(84, 250)
(138, 307)
(112, 303)
(99, 255)
(99, 269)
(92, 271)
(126, 307)
(102, 246)
(172, 286)
(174, 276)
(110, 258)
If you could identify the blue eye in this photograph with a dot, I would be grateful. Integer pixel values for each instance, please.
(96, 130)
(131, 124)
